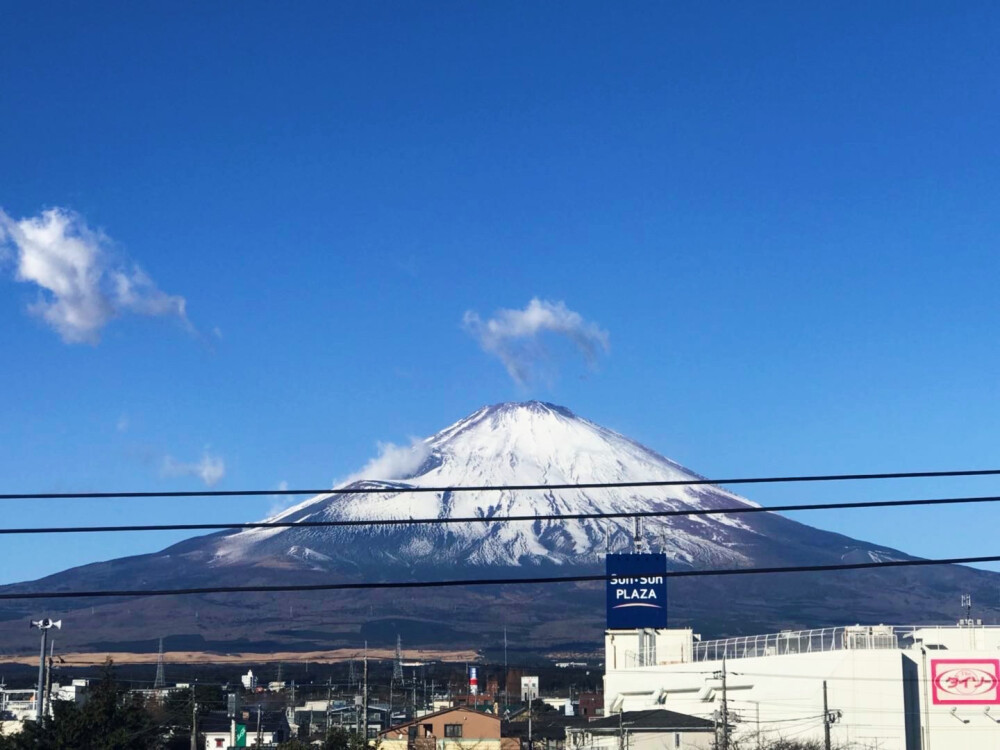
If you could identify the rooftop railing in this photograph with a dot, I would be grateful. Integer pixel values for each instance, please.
(861, 637)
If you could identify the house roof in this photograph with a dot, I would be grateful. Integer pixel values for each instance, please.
(546, 727)
(656, 718)
(423, 719)
(270, 721)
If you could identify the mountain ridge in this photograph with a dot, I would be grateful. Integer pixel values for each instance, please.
(498, 446)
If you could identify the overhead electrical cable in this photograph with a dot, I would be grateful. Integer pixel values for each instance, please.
(354, 586)
(846, 505)
(403, 488)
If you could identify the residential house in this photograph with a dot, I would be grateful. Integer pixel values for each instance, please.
(655, 729)
(263, 729)
(457, 728)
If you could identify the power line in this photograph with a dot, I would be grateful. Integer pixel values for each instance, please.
(401, 488)
(846, 505)
(492, 581)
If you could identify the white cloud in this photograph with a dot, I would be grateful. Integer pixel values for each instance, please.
(393, 462)
(210, 469)
(81, 287)
(123, 423)
(514, 336)
(281, 502)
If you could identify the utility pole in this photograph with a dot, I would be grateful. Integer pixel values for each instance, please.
(364, 699)
(826, 720)
(45, 624)
(329, 700)
(48, 673)
(506, 673)
(724, 718)
(194, 719)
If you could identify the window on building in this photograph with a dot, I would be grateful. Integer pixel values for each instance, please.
(220, 743)
(452, 730)
(677, 739)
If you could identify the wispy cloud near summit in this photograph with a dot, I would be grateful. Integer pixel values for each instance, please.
(82, 288)
(515, 336)
(210, 469)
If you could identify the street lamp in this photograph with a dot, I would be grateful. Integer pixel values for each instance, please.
(45, 624)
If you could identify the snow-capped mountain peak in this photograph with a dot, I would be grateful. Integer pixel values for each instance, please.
(497, 446)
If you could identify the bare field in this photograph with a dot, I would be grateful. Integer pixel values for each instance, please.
(205, 657)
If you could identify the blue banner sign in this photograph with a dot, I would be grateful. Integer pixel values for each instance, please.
(637, 591)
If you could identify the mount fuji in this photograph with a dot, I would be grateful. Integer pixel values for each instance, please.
(508, 444)
(498, 446)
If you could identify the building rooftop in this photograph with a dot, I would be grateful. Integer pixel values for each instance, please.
(657, 718)
(270, 721)
(423, 719)
(966, 634)
(545, 727)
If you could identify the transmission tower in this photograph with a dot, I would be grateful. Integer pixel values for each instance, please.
(159, 681)
(397, 667)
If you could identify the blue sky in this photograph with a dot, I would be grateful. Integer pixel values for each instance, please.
(782, 217)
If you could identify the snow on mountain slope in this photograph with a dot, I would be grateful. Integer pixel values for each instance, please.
(506, 444)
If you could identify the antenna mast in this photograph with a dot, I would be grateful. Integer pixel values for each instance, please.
(159, 681)
(397, 668)
(638, 536)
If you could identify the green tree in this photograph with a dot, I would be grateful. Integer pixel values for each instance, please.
(109, 720)
(339, 738)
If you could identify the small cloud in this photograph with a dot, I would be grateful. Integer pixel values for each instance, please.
(210, 469)
(122, 424)
(217, 332)
(393, 462)
(514, 336)
(281, 502)
(81, 288)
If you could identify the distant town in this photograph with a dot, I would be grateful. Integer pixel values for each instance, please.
(879, 686)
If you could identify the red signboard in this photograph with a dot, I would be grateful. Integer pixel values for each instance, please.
(965, 681)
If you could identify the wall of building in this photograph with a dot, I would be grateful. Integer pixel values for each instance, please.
(441, 743)
(655, 740)
(475, 725)
(940, 691)
(591, 705)
(212, 739)
(625, 649)
(671, 741)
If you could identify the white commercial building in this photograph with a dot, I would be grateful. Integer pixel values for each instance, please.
(529, 688)
(886, 687)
